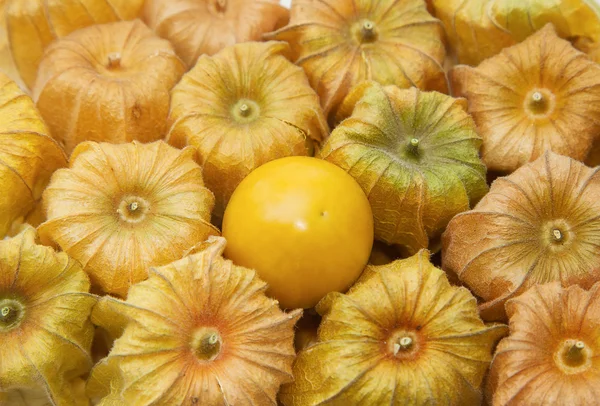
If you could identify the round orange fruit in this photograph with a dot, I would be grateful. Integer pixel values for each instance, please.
(304, 225)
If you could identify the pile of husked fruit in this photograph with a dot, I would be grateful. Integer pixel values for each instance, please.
(351, 202)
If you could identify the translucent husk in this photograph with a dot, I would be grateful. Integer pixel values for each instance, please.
(202, 315)
(119, 209)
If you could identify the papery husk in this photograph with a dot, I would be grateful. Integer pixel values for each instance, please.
(358, 358)
(413, 195)
(593, 158)
(155, 360)
(46, 349)
(516, 128)
(33, 24)
(404, 46)
(7, 63)
(28, 156)
(91, 217)
(545, 323)
(480, 29)
(540, 224)
(107, 83)
(283, 117)
(197, 27)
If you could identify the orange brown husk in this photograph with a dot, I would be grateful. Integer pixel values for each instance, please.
(198, 331)
(119, 209)
(402, 335)
(342, 43)
(241, 108)
(539, 95)
(108, 83)
(32, 25)
(538, 225)
(28, 156)
(197, 27)
(551, 354)
(45, 326)
(416, 156)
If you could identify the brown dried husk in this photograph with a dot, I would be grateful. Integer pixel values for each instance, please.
(515, 127)
(283, 115)
(32, 25)
(28, 156)
(197, 27)
(157, 360)
(538, 225)
(401, 44)
(119, 209)
(361, 357)
(107, 83)
(539, 363)
(47, 333)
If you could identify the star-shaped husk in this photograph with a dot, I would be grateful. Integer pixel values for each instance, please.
(402, 336)
(32, 25)
(416, 156)
(28, 155)
(107, 83)
(197, 27)
(199, 331)
(342, 43)
(119, 209)
(45, 327)
(538, 225)
(479, 29)
(551, 354)
(539, 95)
(241, 108)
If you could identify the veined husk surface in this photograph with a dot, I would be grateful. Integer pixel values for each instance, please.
(199, 331)
(119, 209)
(401, 336)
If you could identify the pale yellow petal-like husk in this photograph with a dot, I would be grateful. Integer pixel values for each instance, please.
(356, 361)
(89, 216)
(153, 362)
(28, 155)
(48, 348)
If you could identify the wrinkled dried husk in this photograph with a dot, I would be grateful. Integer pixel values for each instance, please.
(199, 28)
(107, 83)
(413, 194)
(284, 116)
(353, 362)
(28, 155)
(515, 128)
(479, 29)
(33, 24)
(525, 369)
(538, 225)
(328, 41)
(48, 349)
(7, 63)
(89, 210)
(156, 325)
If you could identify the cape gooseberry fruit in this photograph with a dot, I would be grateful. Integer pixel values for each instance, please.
(479, 29)
(539, 95)
(416, 156)
(538, 225)
(33, 24)
(45, 326)
(205, 27)
(28, 155)
(551, 354)
(341, 43)
(241, 108)
(119, 209)
(108, 83)
(402, 336)
(198, 331)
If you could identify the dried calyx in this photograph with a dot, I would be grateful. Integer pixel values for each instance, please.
(206, 344)
(11, 314)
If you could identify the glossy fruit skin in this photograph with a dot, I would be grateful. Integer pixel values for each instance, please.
(304, 225)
